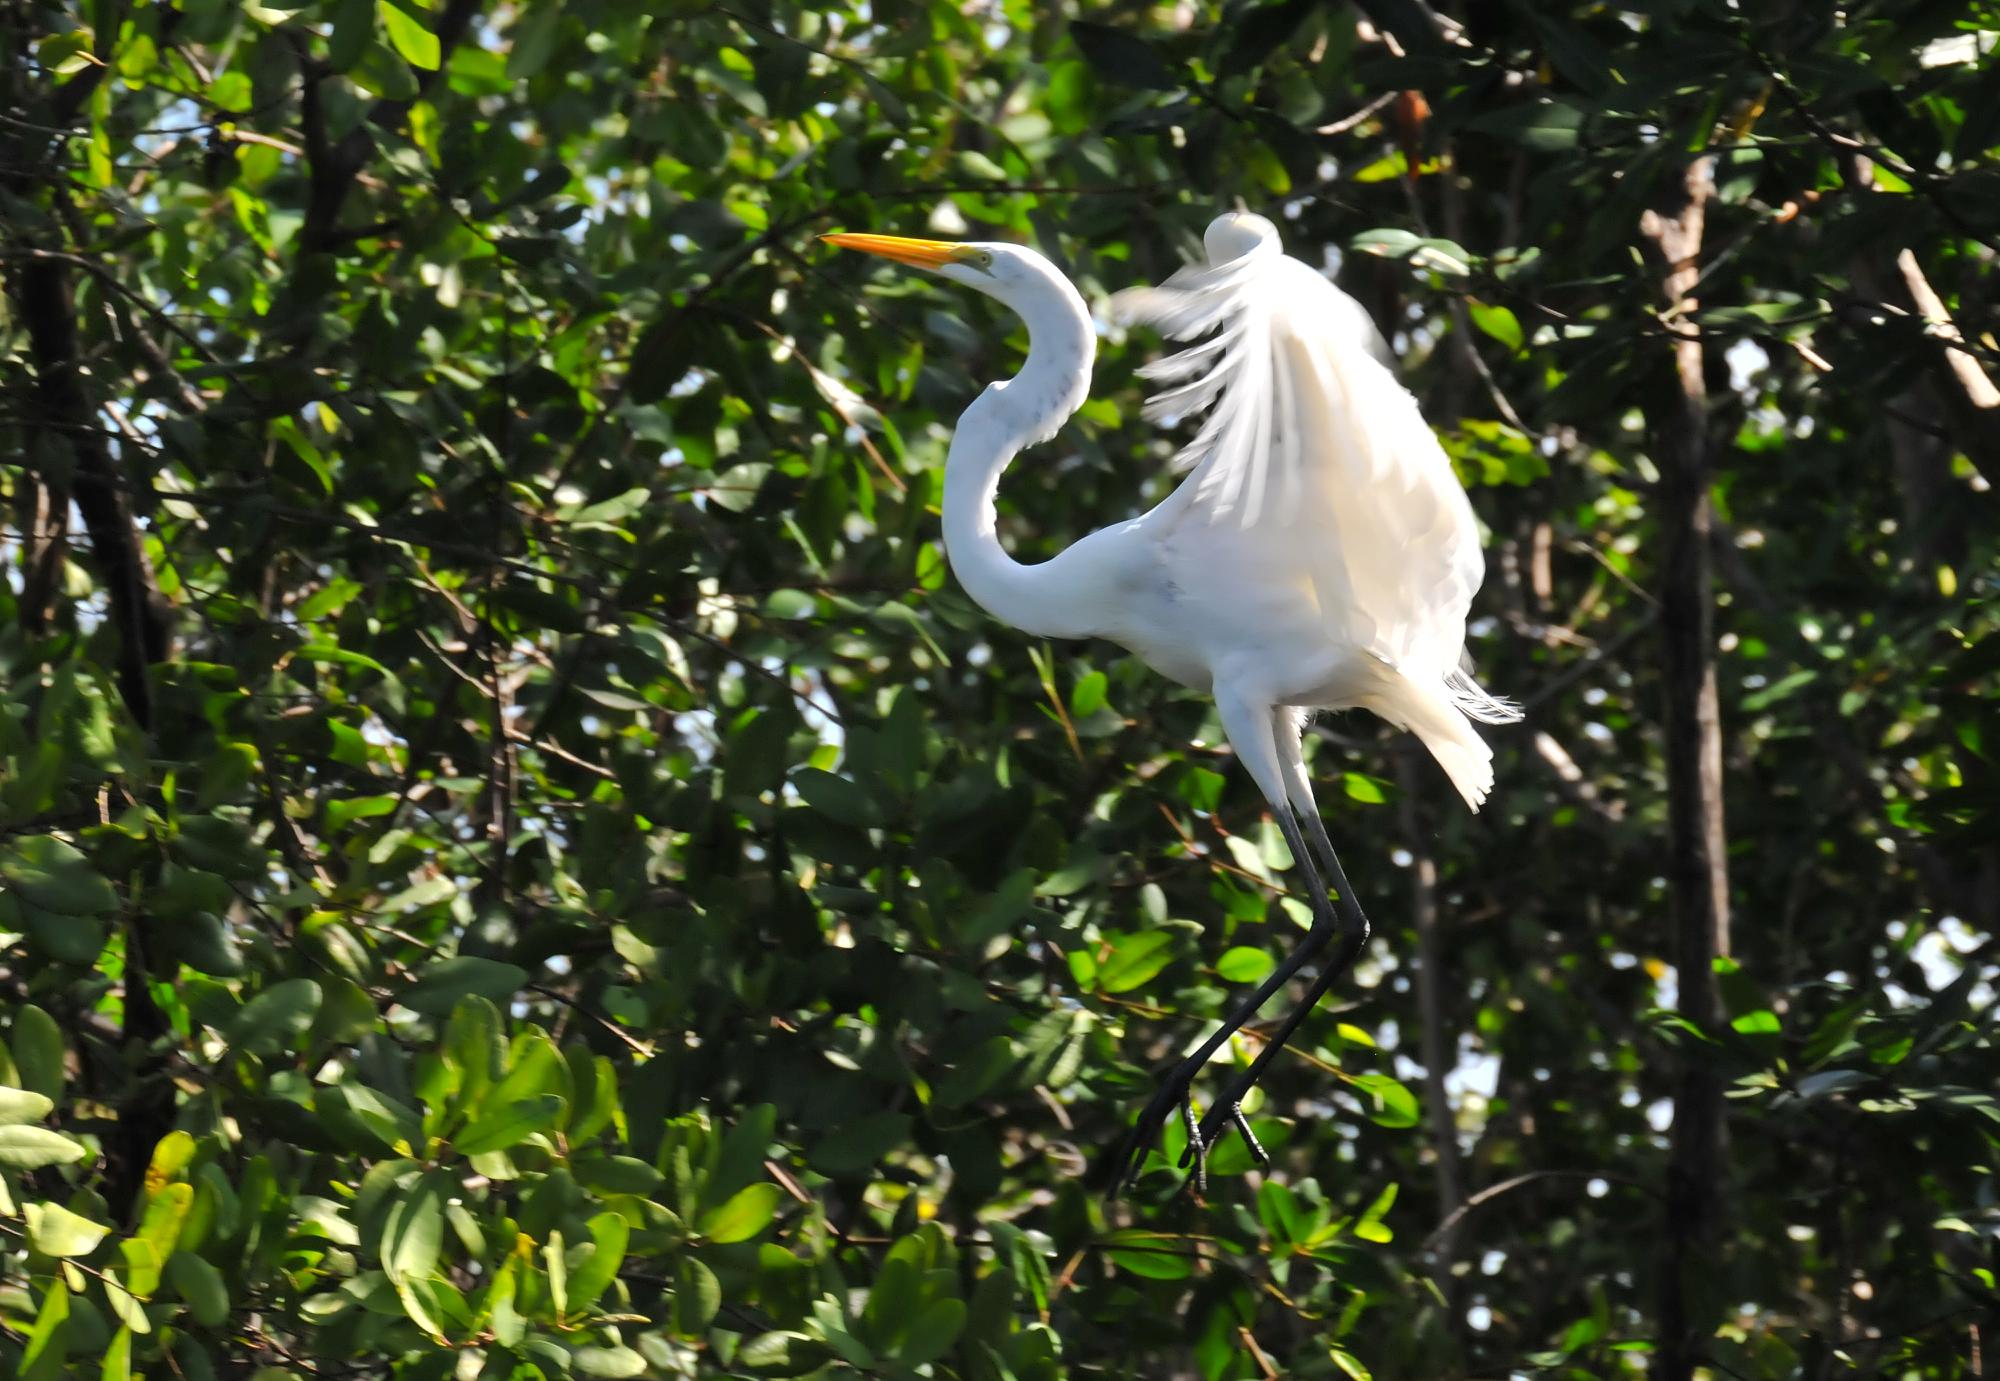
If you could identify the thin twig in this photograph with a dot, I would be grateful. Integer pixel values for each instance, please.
(1443, 1231)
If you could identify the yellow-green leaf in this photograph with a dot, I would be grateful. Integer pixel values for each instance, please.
(55, 1231)
(409, 36)
(745, 1215)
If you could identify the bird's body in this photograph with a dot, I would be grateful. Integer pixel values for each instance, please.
(1321, 554)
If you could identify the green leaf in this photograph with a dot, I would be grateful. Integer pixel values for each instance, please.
(1278, 1211)
(381, 73)
(296, 441)
(341, 814)
(837, 798)
(1123, 57)
(409, 36)
(472, 1044)
(54, 1231)
(118, 1357)
(1089, 695)
(126, 1306)
(55, 876)
(1763, 1022)
(201, 1286)
(931, 1334)
(1232, 1157)
(1389, 243)
(498, 1128)
(1245, 964)
(533, 40)
(535, 1066)
(277, 1017)
(1370, 1227)
(1499, 323)
(508, 1325)
(611, 512)
(1350, 1365)
(556, 1260)
(618, 1175)
(441, 985)
(205, 944)
(45, 1351)
(413, 1234)
(31, 1148)
(1759, 701)
(746, 1214)
(1538, 126)
(1134, 960)
(976, 1072)
(608, 1361)
(18, 1106)
(1575, 54)
(783, 1353)
(1394, 1105)
(664, 353)
(859, 1144)
(609, 1235)
(1364, 789)
(697, 1297)
(1256, 32)
(39, 1057)
(353, 32)
(64, 939)
(1354, 1035)
(420, 1299)
(741, 1159)
(1154, 1255)
(1441, 256)
(167, 1210)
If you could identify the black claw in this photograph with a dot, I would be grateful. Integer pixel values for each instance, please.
(1193, 1128)
(1132, 1155)
(1242, 1124)
(1195, 1160)
(1203, 1135)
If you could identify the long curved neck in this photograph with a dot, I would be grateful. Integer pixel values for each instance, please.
(1040, 599)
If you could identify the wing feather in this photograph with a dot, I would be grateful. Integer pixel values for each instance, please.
(1308, 440)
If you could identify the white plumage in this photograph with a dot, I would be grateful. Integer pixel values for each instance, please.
(1317, 455)
(1321, 553)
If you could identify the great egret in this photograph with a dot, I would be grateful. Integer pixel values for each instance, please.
(1321, 554)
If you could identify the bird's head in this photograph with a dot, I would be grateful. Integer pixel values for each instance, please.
(1062, 344)
(1234, 234)
(1001, 271)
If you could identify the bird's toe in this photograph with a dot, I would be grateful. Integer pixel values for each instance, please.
(1174, 1094)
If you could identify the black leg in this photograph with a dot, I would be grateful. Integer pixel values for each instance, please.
(1173, 1092)
(1353, 935)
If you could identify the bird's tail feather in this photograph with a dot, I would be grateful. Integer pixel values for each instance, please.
(1477, 701)
(1436, 713)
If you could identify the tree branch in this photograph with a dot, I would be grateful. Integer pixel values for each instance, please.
(42, 293)
(334, 167)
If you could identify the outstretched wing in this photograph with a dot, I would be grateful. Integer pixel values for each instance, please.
(1310, 442)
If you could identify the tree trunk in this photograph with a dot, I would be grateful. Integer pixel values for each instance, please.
(1697, 870)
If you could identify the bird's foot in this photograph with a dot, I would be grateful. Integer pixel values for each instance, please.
(1227, 1113)
(1173, 1095)
(1215, 1126)
(1204, 1138)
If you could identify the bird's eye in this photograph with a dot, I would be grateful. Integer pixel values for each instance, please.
(985, 260)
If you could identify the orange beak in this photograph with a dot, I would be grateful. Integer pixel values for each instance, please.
(923, 254)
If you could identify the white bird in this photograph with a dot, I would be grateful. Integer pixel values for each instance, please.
(1321, 553)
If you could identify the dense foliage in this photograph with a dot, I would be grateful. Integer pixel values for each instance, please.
(516, 859)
